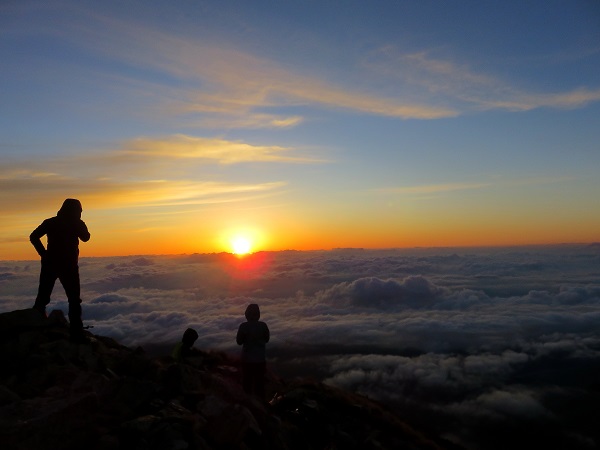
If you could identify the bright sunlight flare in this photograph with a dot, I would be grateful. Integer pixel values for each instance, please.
(241, 246)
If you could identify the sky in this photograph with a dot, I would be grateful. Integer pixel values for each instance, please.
(304, 125)
(489, 348)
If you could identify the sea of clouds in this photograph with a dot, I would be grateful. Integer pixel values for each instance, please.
(486, 347)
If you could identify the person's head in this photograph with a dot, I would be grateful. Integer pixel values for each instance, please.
(252, 312)
(189, 337)
(70, 209)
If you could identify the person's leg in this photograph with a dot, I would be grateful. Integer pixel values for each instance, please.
(47, 279)
(69, 278)
(247, 379)
(259, 380)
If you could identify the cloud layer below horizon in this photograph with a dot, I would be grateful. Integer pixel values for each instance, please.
(485, 338)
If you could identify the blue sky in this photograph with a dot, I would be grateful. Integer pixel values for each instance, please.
(301, 124)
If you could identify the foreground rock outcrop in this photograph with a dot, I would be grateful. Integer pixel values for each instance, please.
(56, 394)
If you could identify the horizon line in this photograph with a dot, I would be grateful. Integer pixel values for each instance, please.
(341, 249)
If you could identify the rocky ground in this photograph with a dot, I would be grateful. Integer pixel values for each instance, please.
(56, 394)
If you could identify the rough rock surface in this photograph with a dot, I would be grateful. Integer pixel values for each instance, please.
(56, 394)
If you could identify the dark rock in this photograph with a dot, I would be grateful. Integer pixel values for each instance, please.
(60, 395)
(232, 427)
(15, 322)
(57, 317)
(7, 396)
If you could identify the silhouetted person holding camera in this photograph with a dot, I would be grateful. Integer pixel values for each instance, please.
(60, 260)
(253, 335)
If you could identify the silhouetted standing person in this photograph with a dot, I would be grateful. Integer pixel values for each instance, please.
(253, 335)
(60, 259)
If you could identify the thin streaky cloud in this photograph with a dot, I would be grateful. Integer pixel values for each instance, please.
(36, 194)
(533, 180)
(566, 100)
(449, 187)
(244, 202)
(143, 172)
(149, 157)
(433, 188)
(254, 121)
(220, 150)
(190, 193)
(460, 82)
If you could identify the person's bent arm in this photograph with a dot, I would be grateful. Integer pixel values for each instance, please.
(84, 234)
(35, 239)
(240, 338)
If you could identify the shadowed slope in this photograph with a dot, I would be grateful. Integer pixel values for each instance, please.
(55, 394)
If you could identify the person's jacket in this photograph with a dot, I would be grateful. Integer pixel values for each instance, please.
(253, 335)
(63, 232)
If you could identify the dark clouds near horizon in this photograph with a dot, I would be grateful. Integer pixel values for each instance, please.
(487, 347)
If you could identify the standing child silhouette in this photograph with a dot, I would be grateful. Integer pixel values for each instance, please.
(60, 260)
(253, 335)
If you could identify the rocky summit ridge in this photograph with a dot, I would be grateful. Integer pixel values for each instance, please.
(99, 395)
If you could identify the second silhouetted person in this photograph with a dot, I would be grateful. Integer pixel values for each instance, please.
(253, 335)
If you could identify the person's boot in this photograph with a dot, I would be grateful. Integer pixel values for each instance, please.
(76, 324)
(41, 308)
(77, 335)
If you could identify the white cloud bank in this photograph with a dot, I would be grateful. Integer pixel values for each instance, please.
(465, 342)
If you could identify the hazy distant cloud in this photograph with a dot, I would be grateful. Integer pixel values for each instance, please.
(455, 373)
(109, 298)
(414, 291)
(499, 403)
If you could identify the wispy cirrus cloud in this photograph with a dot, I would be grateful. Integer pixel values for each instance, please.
(194, 78)
(241, 83)
(33, 193)
(451, 187)
(208, 83)
(562, 100)
(142, 172)
(433, 188)
(467, 88)
(211, 149)
(140, 156)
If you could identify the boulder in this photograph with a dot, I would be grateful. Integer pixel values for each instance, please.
(14, 322)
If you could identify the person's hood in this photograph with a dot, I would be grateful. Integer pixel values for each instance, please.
(70, 209)
(189, 336)
(253, 312)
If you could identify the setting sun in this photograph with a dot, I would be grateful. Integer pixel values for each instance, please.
(241, 246)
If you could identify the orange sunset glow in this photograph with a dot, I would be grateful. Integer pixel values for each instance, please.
(185, 135)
